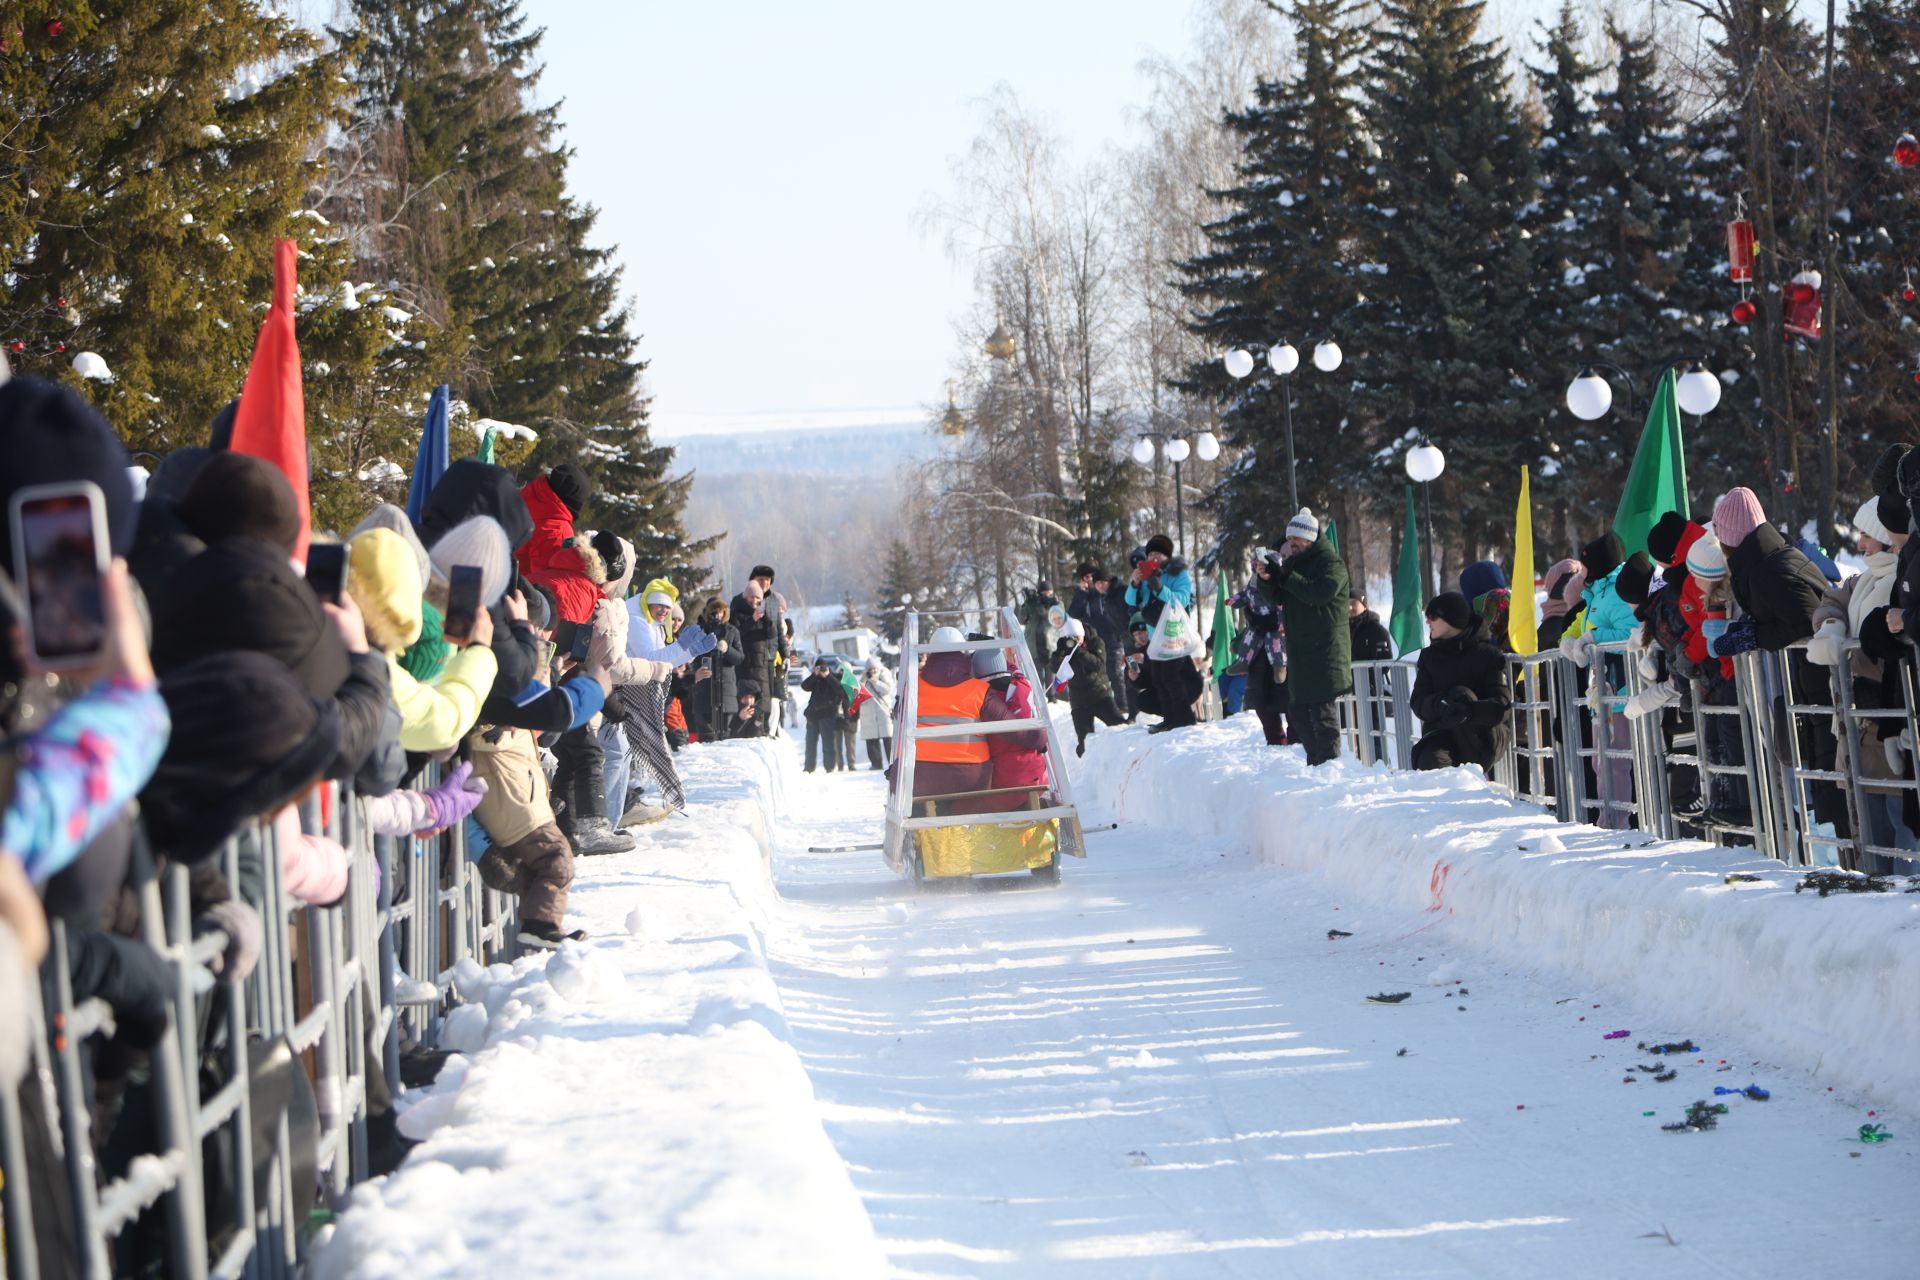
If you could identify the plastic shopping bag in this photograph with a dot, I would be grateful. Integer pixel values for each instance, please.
(1173, 635)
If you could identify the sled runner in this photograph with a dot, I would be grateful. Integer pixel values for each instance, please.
(946, 817)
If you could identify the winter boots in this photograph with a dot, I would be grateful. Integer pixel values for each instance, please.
(639, 813)
(593, 836)
(548, 936)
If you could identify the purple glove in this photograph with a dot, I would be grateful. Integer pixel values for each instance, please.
(456, 797)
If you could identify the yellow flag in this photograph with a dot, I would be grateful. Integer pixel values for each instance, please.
(1523, 630)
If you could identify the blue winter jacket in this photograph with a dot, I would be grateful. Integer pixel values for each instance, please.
(1167, 586)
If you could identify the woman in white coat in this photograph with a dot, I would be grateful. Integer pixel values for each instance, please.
(874, 704)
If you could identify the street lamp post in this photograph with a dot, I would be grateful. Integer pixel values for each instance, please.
(1206, 446)
(1425, 462)
(1283, 359)
(1590, 396)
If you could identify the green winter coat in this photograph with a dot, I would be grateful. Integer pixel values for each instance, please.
(1311, 590)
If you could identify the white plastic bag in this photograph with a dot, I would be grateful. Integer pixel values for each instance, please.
(1174, 635)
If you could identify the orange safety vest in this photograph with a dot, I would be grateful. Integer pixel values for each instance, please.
(952, 704)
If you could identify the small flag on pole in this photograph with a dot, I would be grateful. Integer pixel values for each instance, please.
(271, 422)
(1408, 623)
(1523, 631)
(430, 462)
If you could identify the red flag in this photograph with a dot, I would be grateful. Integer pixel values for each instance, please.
(272, 420)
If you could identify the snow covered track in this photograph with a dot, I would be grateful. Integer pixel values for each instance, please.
(1165, 1067)
(628, 1107)
(1828, 984)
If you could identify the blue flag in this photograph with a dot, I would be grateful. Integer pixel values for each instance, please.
(431, 462)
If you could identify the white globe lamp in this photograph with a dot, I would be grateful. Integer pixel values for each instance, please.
(1327, 356)
(1699, 391)
(1178, 449)
(1589, 396)
(1206, 446)
(1425, 463)
(1283, 359)
(1143, 451)
(1239, 362)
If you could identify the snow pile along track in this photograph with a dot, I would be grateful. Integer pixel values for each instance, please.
(1816, 980)
(632, 1105)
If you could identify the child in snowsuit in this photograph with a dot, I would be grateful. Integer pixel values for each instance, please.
(1082, 656)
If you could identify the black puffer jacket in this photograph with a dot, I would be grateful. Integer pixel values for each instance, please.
(1370, 640)
(1460, 693)
(1776, 585)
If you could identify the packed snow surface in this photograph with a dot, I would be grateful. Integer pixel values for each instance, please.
(1168, 1064)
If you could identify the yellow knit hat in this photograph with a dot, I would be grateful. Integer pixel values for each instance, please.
(383, 576)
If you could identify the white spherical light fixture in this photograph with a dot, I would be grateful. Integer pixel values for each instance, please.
(1283, 359)
(1206, 446)
(1589, 396)
(1425, 463)
(1178, 449)
(1327, 356)
(1699, 391)
(1143, 451)
(1239, 362)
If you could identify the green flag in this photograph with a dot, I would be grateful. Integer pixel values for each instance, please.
(486, 446)
(1222, 626)
(1407, 626)
(1657, 483)
(1333, 536)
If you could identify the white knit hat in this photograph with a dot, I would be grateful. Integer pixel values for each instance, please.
(1304, 525)
(1073, 629)
(1706, 560)
(1867, 521)
(477, 540)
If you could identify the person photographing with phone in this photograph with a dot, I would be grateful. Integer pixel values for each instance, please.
(1161, 583)
(1309, 585)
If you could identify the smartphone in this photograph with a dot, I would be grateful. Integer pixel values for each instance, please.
(327, 570)
(463, 601)
(60, 555)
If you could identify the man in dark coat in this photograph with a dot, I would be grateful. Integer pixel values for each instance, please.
(1113, 598)
(1368, 640)
(826, 704)
(1266, 649)
(715, 696)
(756, 615)
(1310, 586)
(1137, 675)
(1460, 689)
(1090, 607)
(1035, 614)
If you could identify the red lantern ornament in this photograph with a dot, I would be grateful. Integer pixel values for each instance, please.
(60, 303)
(1743, 311)
(1740, 250)
(54, 28)
(1908, 294)
(59, 346)
(16, 346)
(1803, 305)
(1906, 152)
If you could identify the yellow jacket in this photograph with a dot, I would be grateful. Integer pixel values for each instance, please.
(383, 576)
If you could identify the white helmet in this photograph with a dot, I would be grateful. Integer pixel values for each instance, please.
(947, 635)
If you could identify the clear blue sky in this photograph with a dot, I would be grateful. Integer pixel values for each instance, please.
(759, 162)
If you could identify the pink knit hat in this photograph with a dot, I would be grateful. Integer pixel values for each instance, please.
(1571, 575)
(1737, 515)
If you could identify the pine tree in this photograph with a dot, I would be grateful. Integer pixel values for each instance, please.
(899, 586)
(1444, 324)
(465, 202)
(1280, 267)
(1877, 222)
(150, 155)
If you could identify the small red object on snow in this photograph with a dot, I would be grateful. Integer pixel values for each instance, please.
(1743, 311)
(55, 27)
(1521, 1106)
(1871, 1114)
(1583, 1017)
(1616, 1035)
(1906, 152)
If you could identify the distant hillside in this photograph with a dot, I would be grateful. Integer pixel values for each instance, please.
(818, 504)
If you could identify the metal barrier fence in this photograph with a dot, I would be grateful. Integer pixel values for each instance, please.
(1786, 762)
(244, 1167)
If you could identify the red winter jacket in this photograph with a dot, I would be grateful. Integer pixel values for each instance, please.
(1693, 604)
(1019, 759)
(546, 560)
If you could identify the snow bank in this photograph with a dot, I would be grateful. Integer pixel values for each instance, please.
(631, 1105)
(1828, 984)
